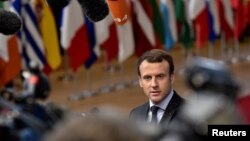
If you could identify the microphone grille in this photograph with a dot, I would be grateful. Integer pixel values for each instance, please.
(10, 23)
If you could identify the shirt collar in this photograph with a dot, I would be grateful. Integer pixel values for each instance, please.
(163, 105)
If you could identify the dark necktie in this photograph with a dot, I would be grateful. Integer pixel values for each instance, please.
(154, 110)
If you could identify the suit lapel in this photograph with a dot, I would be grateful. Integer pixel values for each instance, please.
(170, 111)
(144, 111)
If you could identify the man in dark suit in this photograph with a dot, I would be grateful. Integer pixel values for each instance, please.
(155, 69)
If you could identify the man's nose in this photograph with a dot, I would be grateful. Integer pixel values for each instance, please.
(154, 82)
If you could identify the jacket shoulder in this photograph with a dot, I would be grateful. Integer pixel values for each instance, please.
(139, 110)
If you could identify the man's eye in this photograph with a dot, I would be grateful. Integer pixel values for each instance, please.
(161, 76)
(147, 78)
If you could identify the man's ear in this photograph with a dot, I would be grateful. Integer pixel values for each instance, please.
(172, 77)
(140, 81)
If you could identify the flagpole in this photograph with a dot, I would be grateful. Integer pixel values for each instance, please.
(66, 76)
(230, 51)
(248, 56)
(74, 95)
(236, 56)
(106, 88)
(135, 81)
(88, 90)
(185, 55)
(121, 84)
(211, 50)
(222, 46)
(197, 51)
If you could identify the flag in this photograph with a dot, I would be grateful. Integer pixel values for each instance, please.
(239, 19)
(58, 13)
(10, 68)
(247, 9)
(157, 23)
(142, 26)
(110, 46)
(185, 36)
(198, 12)
(49, 34)
(92, 43)
(126, 39)
(29, 36)
(102, 33)
(247, 16)
(106, 38)
(74, 38)
(226, 18)
(214, 23)
(169, 20)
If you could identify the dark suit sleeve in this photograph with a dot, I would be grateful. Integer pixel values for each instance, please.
(139, 113)
(132, 114)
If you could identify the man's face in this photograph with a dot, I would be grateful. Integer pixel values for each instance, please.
(155, 80)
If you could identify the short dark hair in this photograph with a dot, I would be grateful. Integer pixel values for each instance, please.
(155, 56)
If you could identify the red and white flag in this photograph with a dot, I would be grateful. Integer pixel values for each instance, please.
(198, 12)
(142, 26)
(74, 37)
(226, 18)
(126, 39)
(10, 61)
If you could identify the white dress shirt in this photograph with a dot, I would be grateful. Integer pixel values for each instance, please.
(162, 107)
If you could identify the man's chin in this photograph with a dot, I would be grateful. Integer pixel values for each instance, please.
(155, 100)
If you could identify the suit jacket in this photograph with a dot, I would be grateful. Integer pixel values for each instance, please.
(141, 112)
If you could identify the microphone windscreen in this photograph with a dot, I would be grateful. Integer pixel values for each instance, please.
(57, 3)
(119, 11)
(95, 10)
(10, 23)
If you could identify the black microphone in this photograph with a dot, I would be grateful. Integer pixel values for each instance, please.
(57, 3)
(95, 10)
(10, 22)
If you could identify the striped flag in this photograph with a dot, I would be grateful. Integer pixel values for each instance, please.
(183, 23)
(157, 23)
(29, 36)
(169, 20)
(142, 26)
(74, 38)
